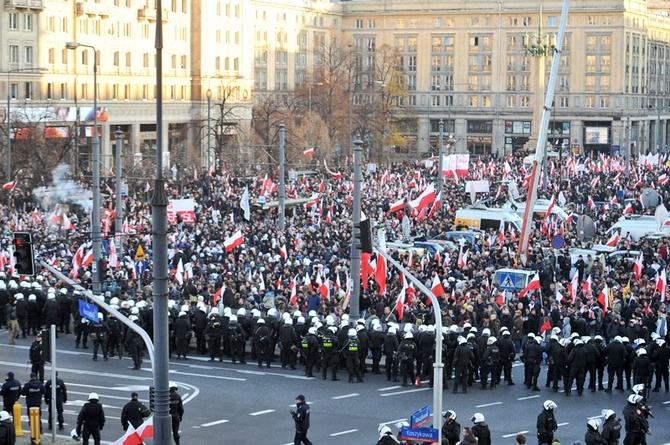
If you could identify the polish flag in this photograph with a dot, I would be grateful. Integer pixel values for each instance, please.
(532, 285)
(397, 206)
(283, 252)
(217, 296)
(573, 287)
(234, 241)
(437, 288)
(113, 258)
(604, 298)
(629, 209)
(88, 259)
(592, 204)
(436, 205)
(323, 287)
(380, 274)
(501, 235)
(347, 295)
(400, 301)
(294, 291)
(663, 179)
(425, 199)
(308, 282)
(8, 185)
(587, 286)
(35, 218)
(462, 258)
(613, 240)
(550, 207)
(662, 284)
(136, 436)
(67, 224)
(637, 267)
(308, 152)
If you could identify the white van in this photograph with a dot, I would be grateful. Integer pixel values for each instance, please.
(485, 219)
(635, 225)
(540, 209)
(516, 278)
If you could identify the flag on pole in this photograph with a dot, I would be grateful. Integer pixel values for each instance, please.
(234, 241)
(134, 436)
(637, 267)
(437, 288)
(308, 152)
(532, 285)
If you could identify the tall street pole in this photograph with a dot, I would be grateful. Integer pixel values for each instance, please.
(355, 311)
(159, 202)
(209, 128)
(118, 213)
(440, 154)
(282, 178)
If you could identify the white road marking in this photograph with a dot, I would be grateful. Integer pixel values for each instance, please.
(393, 421)
(514, 434)
(346, 396)
(594, 417)
(563, 424)
(343, 432)
(106, 396)
(666, 403)
(488, 404)
(404, 392)
(216, 422)
(265, 411)
(210, 376)
(83, 402)
(388, 388)
(529, 397)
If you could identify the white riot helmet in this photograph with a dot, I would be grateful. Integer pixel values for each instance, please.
(73, 434)
(491, 340)
(351, 333)
(312, 330)
(594, 424)
(385, 431)
(608, 413)
(477, 418)
(549, 405)
(634, 399)
(93, 396)
(4, 415)
(101, 316)
(409, 335)
(233, 318)
(450, 415)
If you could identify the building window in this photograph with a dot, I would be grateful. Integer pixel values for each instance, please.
(14, 90)
(591, 43)
(28, 54)
(590, 102)
(511, 83)
(28, 22)
(359, 24)
(525, 101)
(63, 91)
(145, 92)
(372, 24)
(126, 91)
(50, 91)
(590, 63)
(551, 20)
(564, 102)
(115, 59)
(486, 101)
(605, 83)
(605, 43)
(605, 63)
(607, 20)
(511, 101)
(51, 56)
(435, 101)
(604, 102)
(84, 91)
(564, 83)
(64, 54)
(592, 20)
(13, 53)
(590, 83)
(473, 101)
(13, 20)
(29, 90)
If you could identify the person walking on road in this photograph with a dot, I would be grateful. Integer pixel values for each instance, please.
(546, 423)
(61, 398)
(33, 392)
(301, 419)
(12, 319)
(10, 392)
(176, 411)
(91, 420)
(134, 412)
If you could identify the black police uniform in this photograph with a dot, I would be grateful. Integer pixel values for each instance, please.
(61, 398)
(90, 421)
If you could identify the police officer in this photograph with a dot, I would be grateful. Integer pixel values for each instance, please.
(611, 429)
(641, 367)
(451, 430)
(310, 350)
(91, 420)
(490, 362)
(176, 411)
(10, 392)
(329, 352)
(36, 358)
(99, 334)
(592, 436)
(507, 355)
(115, 336)
(616, 353)
(390, 352)
(65, 303)
(289, 341)
(261, 342)
(134, 412)
(301, 419)
(81, 330)
(182, 334)
(661, 359)
(481, 429)
(134, 344)
(61, 398)
(636, 425)
(577, 361)
(213, 333)
(350, 350)
(12, 321)
(546, 423)
(363, 346)
(463, 356)
(377, 346)
(7, 433)
(406, 357)
(533, 358)
(236, 340)
(33, 391)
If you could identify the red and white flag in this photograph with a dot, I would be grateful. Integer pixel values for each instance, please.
(234, 241)
(294, 291)
(532, 285)
(604, 298)
(638, 266)
(437, 288)
(613, 240)
(323, 286)
(113, 258)
(179, 274)
(136, 436)
(400, 301)
(308, 152)
(425, 199)
(283, 253)
(380, 274)
(587, 286)
(629, 209)
(462, 258)
(592, 204)
(308, 282)
(436, 205)
(662, 284)
(397, 206)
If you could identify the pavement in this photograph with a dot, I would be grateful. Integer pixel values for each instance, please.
(247, 405)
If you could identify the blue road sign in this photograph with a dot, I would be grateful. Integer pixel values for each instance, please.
(420, 417)
(507, 281)
(88, 310)
(557, 242)
(419, 434)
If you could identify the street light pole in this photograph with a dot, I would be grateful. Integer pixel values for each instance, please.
(95, 213)
(209, 128)
(118, 213)
(440, 165)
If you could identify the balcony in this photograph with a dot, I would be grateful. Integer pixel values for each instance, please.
(91, 9)
(25, 4)
(150, 15)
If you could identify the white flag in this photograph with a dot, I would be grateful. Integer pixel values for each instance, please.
(244, 203)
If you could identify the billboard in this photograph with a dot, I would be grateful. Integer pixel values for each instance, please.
(596, 135)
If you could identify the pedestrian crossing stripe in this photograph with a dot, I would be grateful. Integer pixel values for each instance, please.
(508, 281)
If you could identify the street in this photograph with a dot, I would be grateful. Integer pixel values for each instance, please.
(242, 404)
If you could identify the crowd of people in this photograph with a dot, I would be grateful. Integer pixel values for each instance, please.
(283, 296)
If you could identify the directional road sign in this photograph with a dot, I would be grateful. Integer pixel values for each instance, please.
(420, 417)
(419, 434)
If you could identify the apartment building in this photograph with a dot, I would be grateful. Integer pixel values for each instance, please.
(467, 64)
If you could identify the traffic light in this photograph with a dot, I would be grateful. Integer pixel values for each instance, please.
(46, 344)
(23, 251)
(152, 398)
(103, 269)
(363, 234)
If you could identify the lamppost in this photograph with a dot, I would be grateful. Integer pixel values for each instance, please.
(95, 213)
(209, 127)
(9, 126)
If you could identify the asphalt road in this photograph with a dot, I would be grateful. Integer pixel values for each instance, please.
(242, 404)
